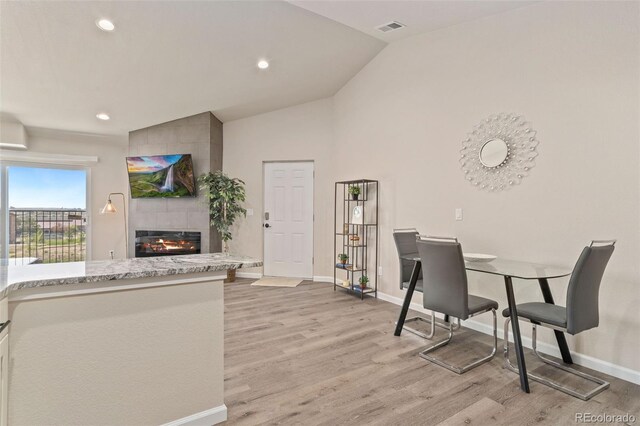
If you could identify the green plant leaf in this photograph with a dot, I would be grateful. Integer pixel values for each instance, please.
(224, 195)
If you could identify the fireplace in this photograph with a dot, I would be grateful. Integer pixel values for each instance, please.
(166, 243)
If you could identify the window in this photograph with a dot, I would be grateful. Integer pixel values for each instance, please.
(46, 214)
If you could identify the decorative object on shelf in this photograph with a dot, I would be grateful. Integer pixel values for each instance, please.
(499, 152)
(110, 209)
(356, 235)
(364, 280)
(354, 190)
(224, 195)
(343, 258)
(346, 283)
(358, 216)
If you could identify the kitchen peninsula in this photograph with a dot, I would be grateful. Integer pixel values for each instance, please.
(136, 341)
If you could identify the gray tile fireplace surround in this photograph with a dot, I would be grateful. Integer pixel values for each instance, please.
(199, 135)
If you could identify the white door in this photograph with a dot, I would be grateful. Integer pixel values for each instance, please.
(288, 219)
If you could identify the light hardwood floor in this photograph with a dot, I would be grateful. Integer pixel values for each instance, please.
(312, 356)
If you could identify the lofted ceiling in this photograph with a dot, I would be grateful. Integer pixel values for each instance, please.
(171, 59)
(419, 16)
(167, 60)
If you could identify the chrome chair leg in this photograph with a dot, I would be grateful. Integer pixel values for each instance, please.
(431, 321)
(602, 384)
(465, 368)
(507, 362)
(456, 326)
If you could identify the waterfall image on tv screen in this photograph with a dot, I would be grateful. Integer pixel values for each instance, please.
(161, 176)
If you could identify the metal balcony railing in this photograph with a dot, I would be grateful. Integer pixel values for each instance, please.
(47, 235)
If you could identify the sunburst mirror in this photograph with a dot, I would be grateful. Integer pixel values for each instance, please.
(499, 152)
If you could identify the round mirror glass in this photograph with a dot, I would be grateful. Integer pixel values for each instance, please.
(493, 153)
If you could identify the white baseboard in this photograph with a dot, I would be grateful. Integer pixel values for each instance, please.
(596, 364)
(256, 275)
(209, 417)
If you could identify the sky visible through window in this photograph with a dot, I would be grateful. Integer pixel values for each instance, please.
(31, 187)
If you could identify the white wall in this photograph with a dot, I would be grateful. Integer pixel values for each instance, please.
(108, 175)
(298, 133)
(571, 68)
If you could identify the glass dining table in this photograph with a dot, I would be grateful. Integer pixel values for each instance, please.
(508, 269)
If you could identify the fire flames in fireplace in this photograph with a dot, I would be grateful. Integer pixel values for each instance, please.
(162, 246)
(162, 243)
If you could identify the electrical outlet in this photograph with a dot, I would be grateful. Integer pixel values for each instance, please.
(458, 213)
(379, 271)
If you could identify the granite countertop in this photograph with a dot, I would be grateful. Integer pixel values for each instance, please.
(16, 277)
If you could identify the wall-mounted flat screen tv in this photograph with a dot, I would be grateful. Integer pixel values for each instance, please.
(161, 176)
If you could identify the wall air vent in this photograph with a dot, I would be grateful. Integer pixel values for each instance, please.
(390, 26)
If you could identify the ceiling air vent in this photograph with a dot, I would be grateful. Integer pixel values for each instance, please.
(391, 26)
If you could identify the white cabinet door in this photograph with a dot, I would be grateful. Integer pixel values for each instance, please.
(4, 379)
(288, 219)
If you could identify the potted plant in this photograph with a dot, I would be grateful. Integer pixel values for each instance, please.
(224, 195)
(343, 258)
(364, 280)
(354, 190)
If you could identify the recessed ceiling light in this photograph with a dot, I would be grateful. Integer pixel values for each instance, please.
(103, 116)
(105, 25)
(263, 64)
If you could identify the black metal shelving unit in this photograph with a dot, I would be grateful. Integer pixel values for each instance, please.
(363, 253)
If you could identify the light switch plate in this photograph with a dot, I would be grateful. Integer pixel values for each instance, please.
(458, 214)
(249, 212)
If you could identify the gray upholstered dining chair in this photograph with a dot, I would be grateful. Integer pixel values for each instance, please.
(580, 314)
(445, 290)
(405, 239)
